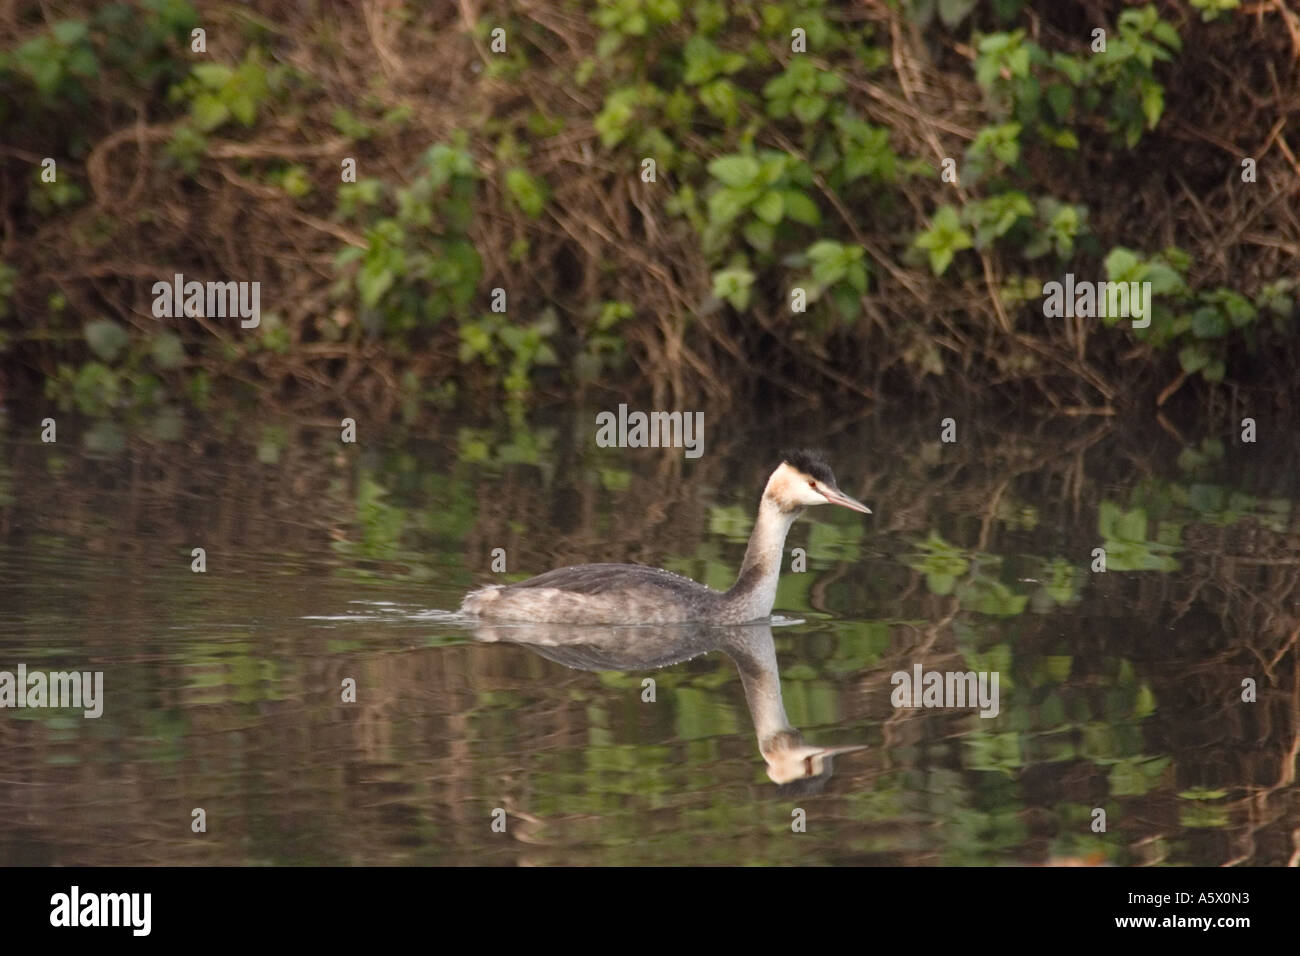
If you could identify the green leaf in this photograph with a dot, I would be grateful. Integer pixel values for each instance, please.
(614, 120)
(244, 108)
(772, 167)
(770, 208)
(1236, 307)
(373, 281)
(1153, 103)
(828, 272)
(208, 112)
(721, 98)
(734, 285)
(1166, 34)
(825, 250)
(846, 302)
(735, 171)
(1071, 67)
(1018, 62)
(800, 208)
(1193, 358)
(167, 350)
(953, 12)
(780, 87)
(809, 107)
(69, 32)
(1209, 323)
(213, 75)
(1164, 279)
(701, 59)
(528, 192)
(759, 235)
(726, 204)
(829, 83)
(941, 584)
(857, 276)
(1121, 264)
(1063, 138)
(46, 74)
(940, 259)
(944, 239)
(1060, 98)
(1132, 525)
(296, 181)
(106, 338)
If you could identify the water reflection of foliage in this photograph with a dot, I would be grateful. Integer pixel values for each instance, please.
(1120, 689)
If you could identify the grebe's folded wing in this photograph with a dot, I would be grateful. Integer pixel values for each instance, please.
(607, 578)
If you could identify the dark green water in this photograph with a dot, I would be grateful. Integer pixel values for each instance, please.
(1119, 691)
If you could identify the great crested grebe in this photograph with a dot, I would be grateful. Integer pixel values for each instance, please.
(635, 594)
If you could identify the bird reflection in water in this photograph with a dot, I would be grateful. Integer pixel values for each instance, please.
(798, 766)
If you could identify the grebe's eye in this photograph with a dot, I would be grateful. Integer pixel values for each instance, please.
(812, 485)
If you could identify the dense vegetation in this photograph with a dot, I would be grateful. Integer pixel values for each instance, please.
(649, 182)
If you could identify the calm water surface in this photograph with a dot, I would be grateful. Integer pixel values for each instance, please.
(1119, 691)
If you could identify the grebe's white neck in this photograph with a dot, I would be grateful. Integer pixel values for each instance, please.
(754, 592)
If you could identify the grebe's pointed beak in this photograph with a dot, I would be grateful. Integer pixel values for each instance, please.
(785, 766)
(837, 497)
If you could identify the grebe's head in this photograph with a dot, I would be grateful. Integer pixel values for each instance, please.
(803, 479)
(799, 767)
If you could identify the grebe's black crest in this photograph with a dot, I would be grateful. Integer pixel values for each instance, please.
(811, 463)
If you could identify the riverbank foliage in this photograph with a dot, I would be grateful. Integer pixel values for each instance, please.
(795, 145)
